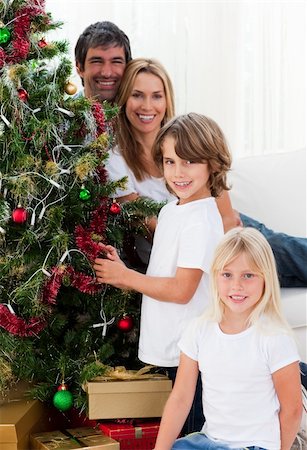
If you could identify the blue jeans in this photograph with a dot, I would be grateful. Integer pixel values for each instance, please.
(199, 441)
(195, 419)
(290, 254)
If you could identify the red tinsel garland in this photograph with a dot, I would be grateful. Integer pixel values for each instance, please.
(98, 224)
(18, 326)
(86, 244)
(84, 283)
(52, 286)
(20, 46)
(98, 114)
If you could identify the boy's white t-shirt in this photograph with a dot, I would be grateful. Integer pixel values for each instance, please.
(151, 187)
(186, 236)
(239, 400)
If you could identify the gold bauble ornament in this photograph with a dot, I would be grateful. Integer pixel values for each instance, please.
(70, 88)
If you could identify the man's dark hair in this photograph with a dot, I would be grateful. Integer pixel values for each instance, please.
(105, 34)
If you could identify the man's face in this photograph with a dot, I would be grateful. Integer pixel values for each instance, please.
(102, 72)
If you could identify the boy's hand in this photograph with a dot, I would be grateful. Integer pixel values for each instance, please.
(111, 270)
(110, 252)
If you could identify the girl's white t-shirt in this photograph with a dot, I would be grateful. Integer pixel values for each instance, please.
(239, 400)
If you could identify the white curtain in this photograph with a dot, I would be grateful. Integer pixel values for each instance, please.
(241, 63)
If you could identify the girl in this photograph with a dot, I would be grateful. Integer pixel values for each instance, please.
(246, 355)
(192, 151)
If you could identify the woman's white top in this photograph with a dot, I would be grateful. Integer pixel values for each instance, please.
(151, 187)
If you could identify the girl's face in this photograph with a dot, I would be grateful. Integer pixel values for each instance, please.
(146, 105)
(187, 179)
(240, 287)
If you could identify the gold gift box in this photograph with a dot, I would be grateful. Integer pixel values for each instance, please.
(18, 418)
(112, 399)
(73, 439)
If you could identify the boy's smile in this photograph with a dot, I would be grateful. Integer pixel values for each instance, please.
(187, 179)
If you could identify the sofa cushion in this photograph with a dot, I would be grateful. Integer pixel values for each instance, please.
(272, 189)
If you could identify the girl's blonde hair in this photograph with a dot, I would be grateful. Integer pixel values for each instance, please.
(257, 249)
(130, 148)
(198, 138)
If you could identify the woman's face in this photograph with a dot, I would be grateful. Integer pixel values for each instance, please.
(146, 105)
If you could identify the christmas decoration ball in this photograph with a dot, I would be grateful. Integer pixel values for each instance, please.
(84, 194)
(70, 88)
(125, 323)
(42, 43)
(5, 35)
(19, 215)
(115, 208)
(63, 400)
(23, 95)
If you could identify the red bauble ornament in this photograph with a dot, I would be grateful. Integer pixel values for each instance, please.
(19, 215)
(62, 387)
(22, 94)
(125, 323)
(115, 208)
(42, 43)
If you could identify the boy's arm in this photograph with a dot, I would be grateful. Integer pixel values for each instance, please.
(287, 384)
(230, 217)
(177, 289)
(178, 404)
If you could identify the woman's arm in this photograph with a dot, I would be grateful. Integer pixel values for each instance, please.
(177, 289)
(230, 216)
(178, 404)
(287, 384)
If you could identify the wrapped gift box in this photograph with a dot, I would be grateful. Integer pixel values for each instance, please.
(112, 399)
(140, 435)
(72, 439)
(18, 418)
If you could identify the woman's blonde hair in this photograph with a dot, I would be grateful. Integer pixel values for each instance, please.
(130, 148)
(198, 138)
(259, 253)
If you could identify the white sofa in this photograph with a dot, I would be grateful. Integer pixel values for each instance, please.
(272, 189)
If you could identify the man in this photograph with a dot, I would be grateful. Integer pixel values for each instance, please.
(102, 52)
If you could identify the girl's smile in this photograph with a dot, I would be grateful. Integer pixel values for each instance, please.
(240, 286)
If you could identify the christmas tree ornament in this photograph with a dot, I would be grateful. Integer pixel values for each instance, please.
(42, 43)
(19, 215)
(62, 387)
(125, 323)
(115, 208)
(63, 398)
(23, 95)
(84, 194)
(70, 88)
(5, 35)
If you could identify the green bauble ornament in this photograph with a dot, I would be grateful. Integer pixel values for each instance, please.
(63, 400)
(84, 194)
(5, 35)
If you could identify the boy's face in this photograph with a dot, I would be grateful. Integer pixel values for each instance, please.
(102, 72)
(187, 179)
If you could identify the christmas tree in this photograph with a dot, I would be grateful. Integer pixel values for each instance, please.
(57, 324)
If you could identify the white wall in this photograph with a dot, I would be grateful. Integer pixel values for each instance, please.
(242, 63)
